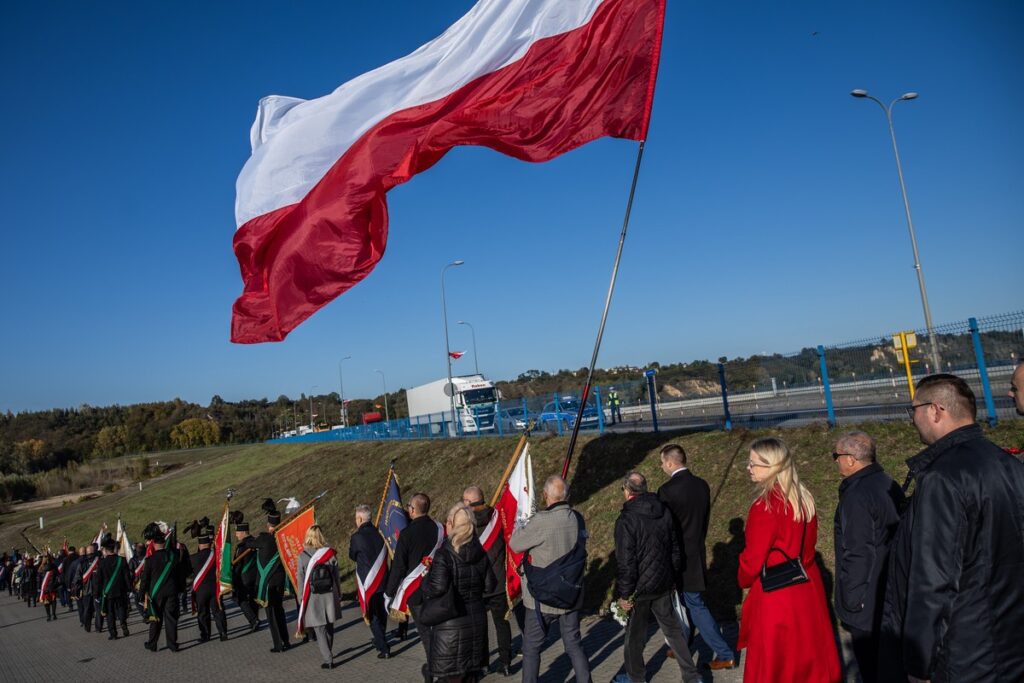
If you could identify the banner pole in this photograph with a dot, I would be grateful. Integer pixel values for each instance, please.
(604, 315)
(511, 463)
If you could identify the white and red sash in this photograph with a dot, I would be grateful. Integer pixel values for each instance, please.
(411, 583)
(491, 532)
(202, 573)
(321, 556)
(46, 583)
(89, 571)
(60, 567)
(138, 570)
(368, 588)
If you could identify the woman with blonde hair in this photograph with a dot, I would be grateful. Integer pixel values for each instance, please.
(461, 576)
(785, 626)
(319, 593)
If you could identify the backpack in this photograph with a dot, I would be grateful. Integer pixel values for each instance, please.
(559, 584)
(321, 581)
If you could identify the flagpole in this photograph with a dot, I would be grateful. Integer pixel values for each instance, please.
(604, 315)
(384, 494)
(511, 465)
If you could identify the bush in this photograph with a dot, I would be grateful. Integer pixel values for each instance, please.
(16, 487)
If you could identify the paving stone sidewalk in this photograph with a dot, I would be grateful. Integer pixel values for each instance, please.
(32, 649)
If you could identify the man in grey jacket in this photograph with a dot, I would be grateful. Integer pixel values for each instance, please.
(549, 535)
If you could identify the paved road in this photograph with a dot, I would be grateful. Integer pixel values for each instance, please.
(32, 649)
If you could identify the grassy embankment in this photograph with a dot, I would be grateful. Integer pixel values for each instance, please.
(354, 473)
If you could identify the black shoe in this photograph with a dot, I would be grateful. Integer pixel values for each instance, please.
(124, 630)
(276, 649)
(223, 637)
(151, 648)
(286, 647)
(505, 670)
(174, 648)
(326, 666)
(112, 636)
(384, 655)
(253, 627)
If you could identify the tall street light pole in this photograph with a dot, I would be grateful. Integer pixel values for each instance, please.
(447, 348)
(934, 345)
(476, 361)
(311, 405)
(387, 413)
(341, 385)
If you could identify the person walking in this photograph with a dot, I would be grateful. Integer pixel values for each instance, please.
(462, 571)
(205, 604)
(648, 560)
(113, 580)
(319, 592)
(30, 582)
(688, 499)
(549, 536)
(865, 521)
(160, 583)
(786, 632)
(244, 577)
(49, 586)
(271, 579)
(366, 549)
(954, 592)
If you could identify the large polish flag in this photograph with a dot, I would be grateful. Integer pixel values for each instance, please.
(516, 505)
(529, 78)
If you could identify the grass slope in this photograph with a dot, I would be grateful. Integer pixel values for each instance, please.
(354, 473)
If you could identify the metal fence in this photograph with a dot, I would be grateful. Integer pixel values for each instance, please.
(864, 380)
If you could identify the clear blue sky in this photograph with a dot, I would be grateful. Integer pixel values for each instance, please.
(768, 215)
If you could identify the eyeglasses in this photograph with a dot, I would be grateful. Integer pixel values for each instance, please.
(836, 456)
(1014, 389)
(751, 463)
(913, 407)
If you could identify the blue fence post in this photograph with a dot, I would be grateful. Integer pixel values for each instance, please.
(828, 387)
(725, 396)
(600, 410)
(649, 374)
(979, 354)
(558, 414)
(526, 415)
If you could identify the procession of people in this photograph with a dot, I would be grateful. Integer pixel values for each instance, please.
(927, 575)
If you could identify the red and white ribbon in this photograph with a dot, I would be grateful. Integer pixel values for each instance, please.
(202, 573)
(411, 583)
(367, 589)
(319, 557)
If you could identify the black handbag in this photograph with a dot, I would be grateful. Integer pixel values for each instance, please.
(789, 573)
(444, 607)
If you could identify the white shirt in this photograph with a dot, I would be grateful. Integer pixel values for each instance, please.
(675, 472)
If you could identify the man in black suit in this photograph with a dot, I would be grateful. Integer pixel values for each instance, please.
(365, 548)
(271, 579)
(416, 542)
(114, 582)
(688, 498)
(160, 583)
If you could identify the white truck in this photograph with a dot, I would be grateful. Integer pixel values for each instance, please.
(476, 401)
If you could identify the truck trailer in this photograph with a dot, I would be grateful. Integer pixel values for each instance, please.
(476, 401)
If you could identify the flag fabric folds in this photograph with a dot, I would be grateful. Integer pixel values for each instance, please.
(222, 551)
(532, 79)
(515, 506)
(456, 354)
(368, 587)
(290, 536)
(321, 556)
(125, 549)
(398, 603)
(391, 516)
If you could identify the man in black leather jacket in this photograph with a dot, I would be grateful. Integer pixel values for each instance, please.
(954, 593)
(648, 557)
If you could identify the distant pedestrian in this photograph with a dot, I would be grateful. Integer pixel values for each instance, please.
(614, 405)
(955, 590)
(319, 592)
(688, 498)
(548, 536)
(49, 587)
(786, 632)
(865, 521)
(648, 559)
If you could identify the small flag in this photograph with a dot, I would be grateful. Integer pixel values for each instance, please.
(456, 354)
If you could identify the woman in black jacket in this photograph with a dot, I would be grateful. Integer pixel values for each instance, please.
(459, 650)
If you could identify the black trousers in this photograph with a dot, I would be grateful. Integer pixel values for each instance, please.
(167, 610)
(661, 608)
(378, 621)
(426, 637)
(247, 604)
(206, 606)
(275, 616)
(117, 613)
(865, 651)
(88, 605)
(503, 631)
(51, 610)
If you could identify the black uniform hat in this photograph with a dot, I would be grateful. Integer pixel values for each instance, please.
(237, 518)
(108, 543)
(273, 516)
(152, 532)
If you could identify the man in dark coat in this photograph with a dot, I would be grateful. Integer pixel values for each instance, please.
(497, 604)
(688, 499)
(85, 580)
(954, 592)
(364, 549)
(417, 541)
(204, 585)
(113, 581)
(135, 566)
(160, 583)
(648, 560)
(271, 579)
(67, 576)
(865, 521)
(244, 577)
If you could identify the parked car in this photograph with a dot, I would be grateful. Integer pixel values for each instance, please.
(514, 419)
(561, 414)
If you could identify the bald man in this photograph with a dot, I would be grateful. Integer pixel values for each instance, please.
(954, 592)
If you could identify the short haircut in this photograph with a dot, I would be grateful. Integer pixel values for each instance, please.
(951, 392)
(635, 483)
(860, 445)
(476, 493)
(363, 512)
(420, 502)
(674, 452)
(555, 488)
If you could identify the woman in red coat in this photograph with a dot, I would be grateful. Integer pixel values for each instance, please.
(787, 632)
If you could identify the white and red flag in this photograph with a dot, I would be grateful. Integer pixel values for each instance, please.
(126, 549)
(321, 556)
(514, 508)
(532, 79)
(456, 354)
(399, 602)
(367, 587)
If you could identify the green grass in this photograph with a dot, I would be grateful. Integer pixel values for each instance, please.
(354, 473)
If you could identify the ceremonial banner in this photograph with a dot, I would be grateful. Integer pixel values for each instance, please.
(222, 551)
(532, 79)
(99, 536)
(391, 516)
(516, 505)
(289, 537)
(125, 550)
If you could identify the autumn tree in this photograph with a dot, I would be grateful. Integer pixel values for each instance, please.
(195, 432)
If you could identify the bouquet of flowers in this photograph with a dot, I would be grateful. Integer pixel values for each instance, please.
(618, 614)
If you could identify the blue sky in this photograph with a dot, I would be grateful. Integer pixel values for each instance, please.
(767, 218)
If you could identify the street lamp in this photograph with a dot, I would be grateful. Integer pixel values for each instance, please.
(476, 363)
(341, 385)
(863, 94)
(311, 405)
(447, 348)
(387, 413)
